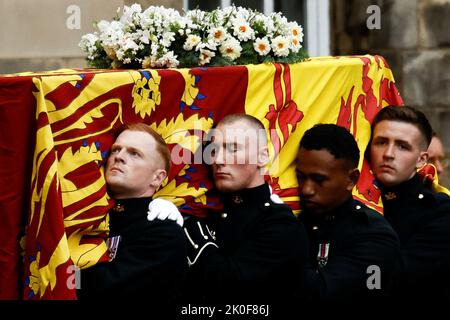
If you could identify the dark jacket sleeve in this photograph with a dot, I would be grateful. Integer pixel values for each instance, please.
(346, 273)
(272, 243)
(152, 259)
(427, 253)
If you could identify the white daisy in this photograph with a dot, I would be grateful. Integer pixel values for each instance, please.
(231, 48)
(205, 56)
(218, 35)
(191, 41)
(262, 46)
(243, 31)
(280, 46)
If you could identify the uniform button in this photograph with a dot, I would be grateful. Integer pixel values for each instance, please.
(267, 204)
(420, 196)
(224, 215)
(358, 207)
(315, 227)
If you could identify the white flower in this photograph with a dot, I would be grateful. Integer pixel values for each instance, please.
(191, 41)
(280, 46)
(129, 13)
(147, 37)
(262, 46)
(231, 48)
(295, 44)
(218, 35)
(205, 56)
(167, 39)
(296, 31)
(169, 60)
(88, 44)
(243, 31)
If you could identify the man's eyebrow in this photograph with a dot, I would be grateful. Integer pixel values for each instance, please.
(402, 141)
(380, 138)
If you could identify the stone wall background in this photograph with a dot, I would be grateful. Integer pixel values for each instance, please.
(415, 40)
(34, 35)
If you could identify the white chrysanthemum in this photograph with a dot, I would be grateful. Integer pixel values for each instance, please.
(205, 56)
(280, 46)
(191, 41)
(262, 46)
(243, 31)
(155, 30)
(295, 44)
(218, 35)
(231, 48)
(296, 30)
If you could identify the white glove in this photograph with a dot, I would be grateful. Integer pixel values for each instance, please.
(274, 197)
(162, 209)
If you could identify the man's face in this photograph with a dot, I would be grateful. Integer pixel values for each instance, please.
(324, 182)
(236, 158)
(396, 152)
(436, 155)
(133, 166)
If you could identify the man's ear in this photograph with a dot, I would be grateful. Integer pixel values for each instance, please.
(422, 160)
(353, 176)
(263, 157)
(158, 177)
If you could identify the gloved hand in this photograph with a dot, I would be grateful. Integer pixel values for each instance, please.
(274, 197)
(199, 237)
(162, 209)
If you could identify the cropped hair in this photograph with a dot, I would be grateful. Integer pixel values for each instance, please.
(161, 145)
(333, 138)
(408, 115)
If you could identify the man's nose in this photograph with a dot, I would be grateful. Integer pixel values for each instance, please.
(389, 152)
(218, 157)
(119, 156)
(307, 189)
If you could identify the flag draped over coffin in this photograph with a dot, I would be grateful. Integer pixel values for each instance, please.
(78, 112)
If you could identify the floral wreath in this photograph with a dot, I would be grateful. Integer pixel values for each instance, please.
(161, 37)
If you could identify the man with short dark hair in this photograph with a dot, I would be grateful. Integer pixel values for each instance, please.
(148, 258)
(420, 216)
(255, 249)
(353, 249)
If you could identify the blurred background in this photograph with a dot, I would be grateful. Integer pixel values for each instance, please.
(413, 36)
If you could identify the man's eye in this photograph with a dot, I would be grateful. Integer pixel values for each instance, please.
(318, 180)
(115, 150)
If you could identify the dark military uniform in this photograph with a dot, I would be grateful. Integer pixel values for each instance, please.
(150, 262)
(421, 218)
(261, 251)
(343, 246)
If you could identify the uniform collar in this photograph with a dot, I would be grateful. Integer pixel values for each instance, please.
(338, 213)
(402, 192)
(128, 211)
(259, 194)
